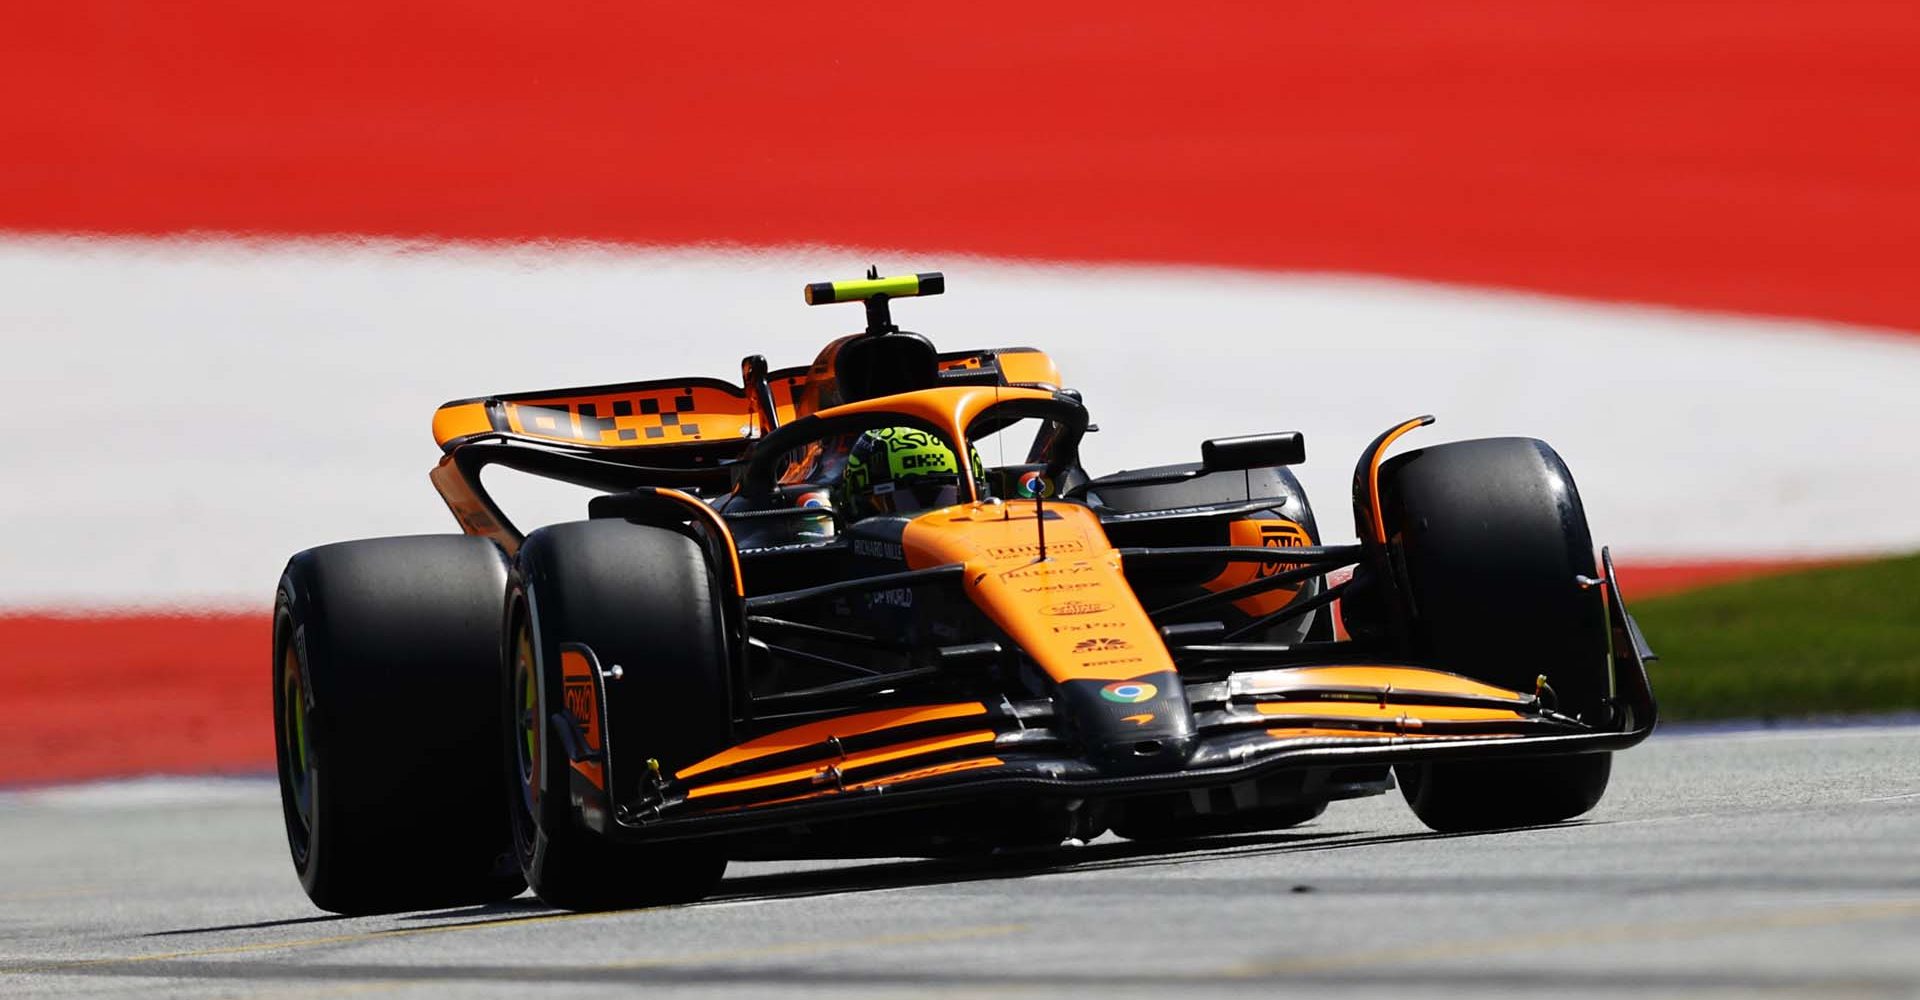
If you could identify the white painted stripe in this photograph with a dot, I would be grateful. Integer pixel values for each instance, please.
(1870, 727)
(184, 415)
(146, 793)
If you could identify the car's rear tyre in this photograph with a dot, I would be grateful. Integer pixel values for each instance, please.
(644, 598)
(1490, 540)
(1159, 825)
(385, 723)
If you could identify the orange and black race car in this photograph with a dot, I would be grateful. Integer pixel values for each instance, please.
(803, 617)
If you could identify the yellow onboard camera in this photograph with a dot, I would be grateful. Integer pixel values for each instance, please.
(875, 291)
(822, 293)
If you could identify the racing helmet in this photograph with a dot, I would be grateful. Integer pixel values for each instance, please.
(900, 470)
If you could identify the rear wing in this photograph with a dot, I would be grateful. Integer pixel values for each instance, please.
(686, 434)
(698, 413)
(690, 420)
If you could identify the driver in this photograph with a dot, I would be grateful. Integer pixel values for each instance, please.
(901, 470)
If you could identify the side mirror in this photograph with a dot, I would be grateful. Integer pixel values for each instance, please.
(1253, 451)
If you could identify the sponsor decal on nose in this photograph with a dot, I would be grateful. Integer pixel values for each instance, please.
(1076, 608)
(1129, 692)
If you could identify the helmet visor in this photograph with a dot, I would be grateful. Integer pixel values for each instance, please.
(917, 493)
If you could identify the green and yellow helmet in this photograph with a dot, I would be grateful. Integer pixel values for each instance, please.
(900, 470)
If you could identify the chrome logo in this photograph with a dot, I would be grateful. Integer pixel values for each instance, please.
(1129, 692)
(1033, 484)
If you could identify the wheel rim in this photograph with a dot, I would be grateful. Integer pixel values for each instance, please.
(297, 750)
(526, 734)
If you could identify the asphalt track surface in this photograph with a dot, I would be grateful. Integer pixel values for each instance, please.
(1721, 863)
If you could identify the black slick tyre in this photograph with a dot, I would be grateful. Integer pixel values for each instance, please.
(1490, 540)
(646, 599)
(1462, 796)
(385, 723)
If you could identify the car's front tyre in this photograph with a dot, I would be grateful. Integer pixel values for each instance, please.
(1492, 544)
(644, 598)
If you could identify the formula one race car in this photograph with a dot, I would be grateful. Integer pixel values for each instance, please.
(803, 618)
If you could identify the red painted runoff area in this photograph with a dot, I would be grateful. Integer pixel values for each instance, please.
(1643, 580)
(1754, 157)
(134, 694)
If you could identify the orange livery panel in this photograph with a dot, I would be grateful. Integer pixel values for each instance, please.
(842, 727)
(1071, 610)
(832, 771)
(1266, 533)
(635, 418)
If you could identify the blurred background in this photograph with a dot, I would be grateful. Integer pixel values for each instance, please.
(246, 249)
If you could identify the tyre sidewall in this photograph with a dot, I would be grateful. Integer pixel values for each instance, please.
(404, 801)
(643, 597)
(1488, 537)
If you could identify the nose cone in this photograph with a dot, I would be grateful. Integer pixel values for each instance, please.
(1151, 755)
(1135, 726)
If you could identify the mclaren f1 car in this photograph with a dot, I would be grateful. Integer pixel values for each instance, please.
(803, 617)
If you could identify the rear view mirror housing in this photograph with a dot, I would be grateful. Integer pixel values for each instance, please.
(1253, 451)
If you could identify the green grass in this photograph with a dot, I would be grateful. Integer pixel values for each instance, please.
(1840, 639)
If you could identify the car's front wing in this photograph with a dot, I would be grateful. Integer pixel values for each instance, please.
(1319, 721)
